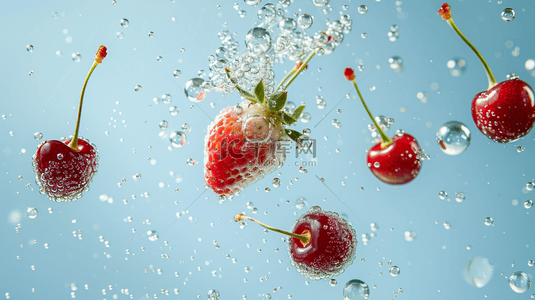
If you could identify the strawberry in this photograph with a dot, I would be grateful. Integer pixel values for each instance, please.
(240, 146)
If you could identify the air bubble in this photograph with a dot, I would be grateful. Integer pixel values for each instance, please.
(177, 73)
(489, 221)
(152, 235)
(178, 139)
(37, 135)
(164, 124)
(32, 212)
(124, 22)
(138, 88)
(508, 14)
(305, 21)
(519, 282)
(76, 57)
(394, 271)
(194, 90)
(453, 138)
(362, 9)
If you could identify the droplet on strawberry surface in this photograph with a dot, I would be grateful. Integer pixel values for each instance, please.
(62, 173)
(332, 246)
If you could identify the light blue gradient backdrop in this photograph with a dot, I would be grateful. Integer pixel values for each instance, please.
(490, 174)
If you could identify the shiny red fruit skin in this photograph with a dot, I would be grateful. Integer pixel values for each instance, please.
(398, 163)
(64, 177)
(506, 112)
(332, 246)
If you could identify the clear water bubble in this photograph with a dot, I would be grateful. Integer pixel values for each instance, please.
(164, 124)
(276, 182)
(530, 186)
(382, 121)
(531, 263)
(258, 41)
(152, 235)
(124, 22)
(151, 34)
(396, 63)
(528, 204)
(252, 2)
(305, 117)
(167, 98)
(138, 88)
(336, 123)
(321, 3)
(519, 282)
(362, 9)
(119, 35)
(37, 135)
(190, 162)
(453, 137)
(159, 58)
(60, 156)
(478, 271)
(177, 138)
(442, 195)
(409, 236)
(76, 57)
(300, 203)
(529, 64)
(32, 212)
(394, 271)
(194, 91)
(364, 35)
(305, 21)
(29, 48)
(460, 196)
(356, 290)
(213, 295)
(508, 14)
(457, 66)
(177, 73)
(332, 282)
(185, 127)
(393, 36)
(173, 110)
(489, 221)
(288, 25)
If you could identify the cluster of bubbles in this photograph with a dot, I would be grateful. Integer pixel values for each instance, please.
(456, 66)
(276, 39)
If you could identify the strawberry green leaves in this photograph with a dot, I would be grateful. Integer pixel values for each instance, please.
(294, 135)
(259, 92)
(277, 101)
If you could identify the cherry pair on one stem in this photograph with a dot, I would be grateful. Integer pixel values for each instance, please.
(321, 244)
(504, 112)
(64, 169)
(395, 160)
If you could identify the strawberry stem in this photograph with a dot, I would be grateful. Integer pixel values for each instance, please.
(285, 78)
(304, 238)
(490, 76)
(386, 141)
(301, 68)
(101, 53)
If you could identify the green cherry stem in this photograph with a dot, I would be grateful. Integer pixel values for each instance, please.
(490, 76)
(301, 68)
(285, 78)
(101, 53)
(386, 141)
(304, 238)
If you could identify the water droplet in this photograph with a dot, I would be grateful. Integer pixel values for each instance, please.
(382, 121)
(29, 48)
(531, 263)
(300, 203)
(177, 73)
(213, 295)
(164, 124)
(178, 139)
(305, 21)
(394, 271)
(37, 135)
(508, 14)
(459, 197)
(76, 57)
(362, 9)
(332, 282)
(124, 22)
(453, 137)
(258, 41)
(336, 123)
(152, 235)
(409, 236)
(356, 290)
(159, 58)
(530, 186)
(276, 182)
(32, 212)
(393, 36)
(442, 195)
(321, 3)
(489, 221)
(151, 34)
(446, 225)
(138, 88)
(120, 35)
(60, 156)
(528, 204)
(456, 66)
(396, 63)
(478, 271)
(190, 161)
(194, 91)
(287, 26)
(252, 2)
(519, 282)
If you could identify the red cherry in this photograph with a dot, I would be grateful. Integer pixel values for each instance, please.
(321, 243)
(393, 161)
(63, 170)
(397, 163)
(506, 111)
(63, 173)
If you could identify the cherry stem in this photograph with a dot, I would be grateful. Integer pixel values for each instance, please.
(386, 141)
(490, 76)
(303, 66)
(98, 59)
(305, 238)
(285, 78)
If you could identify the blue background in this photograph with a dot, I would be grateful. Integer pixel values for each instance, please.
(491, 175)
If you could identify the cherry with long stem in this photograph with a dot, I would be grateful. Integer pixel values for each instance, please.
(304, 237)
(99, 56)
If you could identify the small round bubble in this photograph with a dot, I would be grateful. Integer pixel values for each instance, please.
(178, 139)
(356, 290)
(76, 57)
(528, 204)
(194, 90)
(32, 212)
(213, 295)
(164, 124)
(489, 221)
(519, 282)
(362, 9)
(138, 88)
(321, 3)
(508, 14)
(478, 271)
(29, 48)
(453, 138)
(152, 235)
(394, 271)
(124, 22)
(177, 73)
(305, 21)
(37, 135)
(457, 66)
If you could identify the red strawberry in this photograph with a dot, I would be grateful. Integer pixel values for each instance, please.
(240, 146)
(63, 173)
(64, 169)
